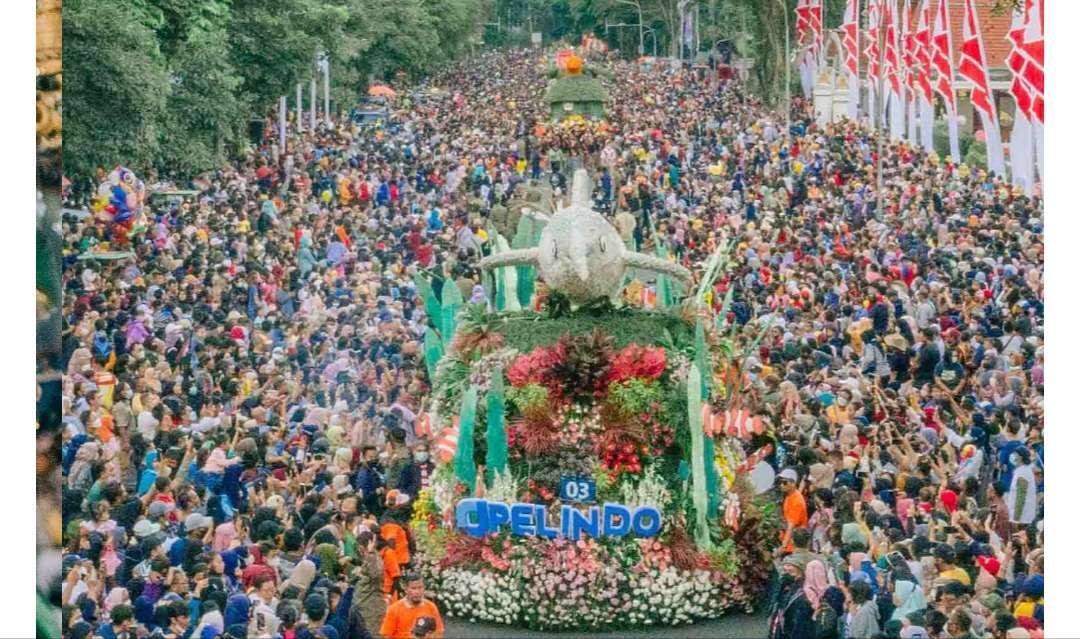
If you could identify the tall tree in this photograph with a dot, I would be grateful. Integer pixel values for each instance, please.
(116, 87)
(205, 115)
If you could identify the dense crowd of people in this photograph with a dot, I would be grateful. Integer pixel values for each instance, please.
(245, 398)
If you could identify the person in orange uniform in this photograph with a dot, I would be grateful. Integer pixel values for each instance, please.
(391, 569)
(794, 506)
(402, 615)
(392, 530)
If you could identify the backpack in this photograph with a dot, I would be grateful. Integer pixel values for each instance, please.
(103, 347)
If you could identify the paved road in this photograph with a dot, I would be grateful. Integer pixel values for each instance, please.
(732, 626)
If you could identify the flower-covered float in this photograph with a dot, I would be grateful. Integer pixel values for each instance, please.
(583, 479)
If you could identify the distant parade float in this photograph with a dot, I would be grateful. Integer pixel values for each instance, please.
(591, 468)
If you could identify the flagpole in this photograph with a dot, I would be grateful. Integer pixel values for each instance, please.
(314, 103)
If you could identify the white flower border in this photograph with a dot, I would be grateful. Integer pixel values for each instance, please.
(573, 600)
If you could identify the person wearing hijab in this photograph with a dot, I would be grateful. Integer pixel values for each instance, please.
(328, 560)
(79, 475)
(478, 296)
(909, 599)
(224, 534)
(212, 619)
(815, 583)
(302, 576)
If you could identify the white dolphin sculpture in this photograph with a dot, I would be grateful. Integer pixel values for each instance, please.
(581, 253)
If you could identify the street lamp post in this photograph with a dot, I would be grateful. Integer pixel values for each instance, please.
(325, 64)
(640, 24)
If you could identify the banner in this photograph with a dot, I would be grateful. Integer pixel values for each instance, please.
(941, 57)
(973, 68)
(1021, 146)
(850, 31)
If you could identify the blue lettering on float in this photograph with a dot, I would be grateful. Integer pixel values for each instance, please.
(479, 517)
(611, 528)
(649, 514)
(498, 515)
(588, 521)
(541, 524)
(471, 516)
(521, 519)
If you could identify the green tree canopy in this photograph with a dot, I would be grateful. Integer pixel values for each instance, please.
(172, 83)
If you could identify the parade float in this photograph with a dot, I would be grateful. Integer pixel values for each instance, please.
(591, 468)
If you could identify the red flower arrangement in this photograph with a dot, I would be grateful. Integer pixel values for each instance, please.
(647, 362)
(534, 367)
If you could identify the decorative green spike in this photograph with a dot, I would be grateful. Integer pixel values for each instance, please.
(664, 296)
(712, 485)
(508, 285)
(451, 303)
(433, 351)
(716, 262)
(526, 285)
(701, 358)
(496, 427)
(464, 464)
(431, 302)
(697, 459)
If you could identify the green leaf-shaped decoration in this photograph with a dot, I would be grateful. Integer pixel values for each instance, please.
(451, 303)
(433, 351)
(431, 302)
(464, 464)
(496, 427)
(701, 358)
(712, 484)
(697, 459)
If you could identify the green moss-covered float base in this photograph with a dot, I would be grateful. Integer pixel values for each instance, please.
(525, 331)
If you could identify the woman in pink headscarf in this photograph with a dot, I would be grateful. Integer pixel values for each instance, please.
(223, 536)
(815, 583)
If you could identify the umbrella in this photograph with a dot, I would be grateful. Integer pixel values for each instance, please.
(377, 90)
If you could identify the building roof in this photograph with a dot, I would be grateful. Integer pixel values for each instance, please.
(995, 31)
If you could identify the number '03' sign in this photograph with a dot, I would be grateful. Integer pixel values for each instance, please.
(577, 489)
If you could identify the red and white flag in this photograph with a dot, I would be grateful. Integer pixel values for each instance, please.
(973, 68)
(1033, 75)
(817, 30)
(893, 71)
(850, 41)
(873, 57)
(907, 41)
(804, 38)
(1021, 143)
(941, 56)
(924, 91)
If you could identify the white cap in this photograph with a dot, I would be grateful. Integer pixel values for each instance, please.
(789, 474)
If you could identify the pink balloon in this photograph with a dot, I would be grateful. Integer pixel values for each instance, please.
(980, 135)
(132, 200)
